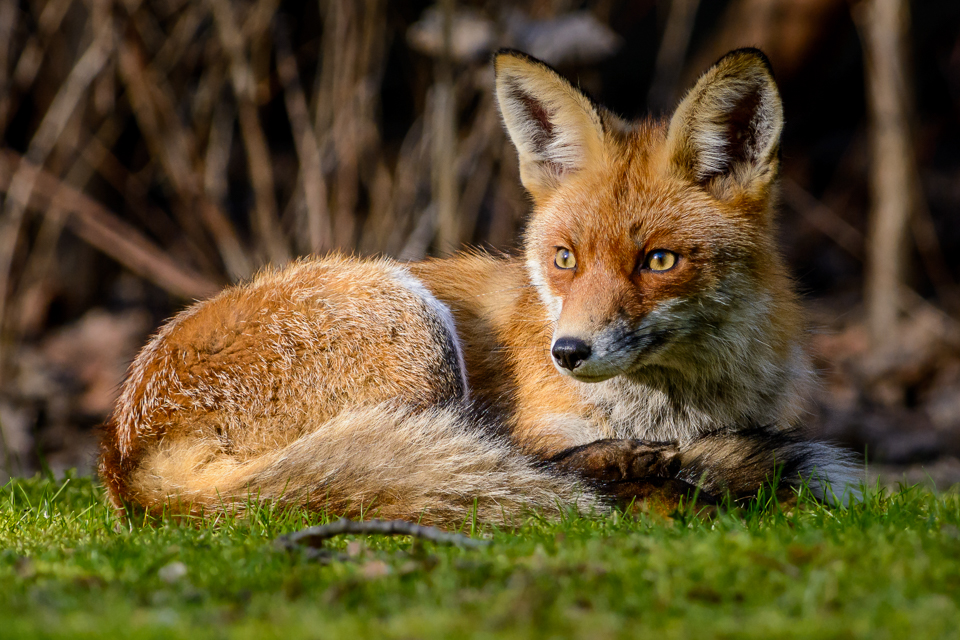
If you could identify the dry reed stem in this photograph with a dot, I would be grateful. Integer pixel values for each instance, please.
(172, 144)
(928, 246)
(102, 229)
(168, 142)
(32, 56)
(308, 150)
(9, 12)
(476, 154)
(43, 254)
(48, 133)
(443, 131)
(671, 54)
(97, 155)
(219, 145)
(42, 257)
(883, 25)
(823, 218)
(266, 221)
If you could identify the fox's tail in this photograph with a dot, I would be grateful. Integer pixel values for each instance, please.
(739, 462)
(429, 466)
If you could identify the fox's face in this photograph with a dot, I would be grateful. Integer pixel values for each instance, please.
(646, 238)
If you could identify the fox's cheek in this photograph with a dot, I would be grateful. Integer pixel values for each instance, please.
(559, 280)
(680, 281)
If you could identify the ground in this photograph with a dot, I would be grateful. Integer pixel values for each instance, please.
(886, 568)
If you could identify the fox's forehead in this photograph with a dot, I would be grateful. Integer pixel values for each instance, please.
(636, 198)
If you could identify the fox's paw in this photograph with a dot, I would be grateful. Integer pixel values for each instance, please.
(661, 496)
(606, 461)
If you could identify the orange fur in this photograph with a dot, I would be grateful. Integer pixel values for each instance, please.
(424, 391)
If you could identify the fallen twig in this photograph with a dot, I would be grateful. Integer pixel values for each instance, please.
(315, 536)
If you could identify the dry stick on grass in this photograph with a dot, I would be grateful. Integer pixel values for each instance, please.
(308, 151)
(883, 26)
(316, 536)
(266, 221)
(103, 230)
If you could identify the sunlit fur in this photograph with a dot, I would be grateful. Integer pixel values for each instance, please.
(428, 391)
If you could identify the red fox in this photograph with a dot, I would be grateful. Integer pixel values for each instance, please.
(647, 341)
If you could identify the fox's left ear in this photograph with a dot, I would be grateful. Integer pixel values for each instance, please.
(725, 135)
(556, 129)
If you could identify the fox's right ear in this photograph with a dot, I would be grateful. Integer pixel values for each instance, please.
(556, 129)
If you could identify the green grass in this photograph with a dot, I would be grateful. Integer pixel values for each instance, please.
(887, 568)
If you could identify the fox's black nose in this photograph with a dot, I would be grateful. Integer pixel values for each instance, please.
(570, 352)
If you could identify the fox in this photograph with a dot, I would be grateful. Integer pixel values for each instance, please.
(646, 343)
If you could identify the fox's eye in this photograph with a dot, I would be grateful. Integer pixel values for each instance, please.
(661, 260)
(565, 259)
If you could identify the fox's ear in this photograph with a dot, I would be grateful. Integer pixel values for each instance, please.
(725, 134)
(556, 129)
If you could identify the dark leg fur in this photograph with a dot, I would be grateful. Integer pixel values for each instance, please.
(737, 463)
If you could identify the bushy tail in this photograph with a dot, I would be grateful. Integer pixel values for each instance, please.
(428, 466)
(741, 461)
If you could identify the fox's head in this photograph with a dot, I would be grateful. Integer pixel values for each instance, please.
(650, 241)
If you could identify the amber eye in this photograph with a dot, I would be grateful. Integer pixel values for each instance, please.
(565, 259)
(660, 260)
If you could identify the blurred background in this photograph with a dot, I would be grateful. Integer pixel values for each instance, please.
(153, 151)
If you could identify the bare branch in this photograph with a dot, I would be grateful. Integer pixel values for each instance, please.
(444, 137)
(672, 52)
(102, 229)
(172, 145)
(51, 127)
(883, 25)
(266, 219)
(308, 149)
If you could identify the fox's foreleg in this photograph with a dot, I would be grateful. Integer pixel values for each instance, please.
(628, 472)
(739, 461)
(734, 462)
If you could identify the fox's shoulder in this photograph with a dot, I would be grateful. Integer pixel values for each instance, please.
(479, 286)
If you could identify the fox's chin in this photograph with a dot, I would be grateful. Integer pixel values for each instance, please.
(591, 378)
